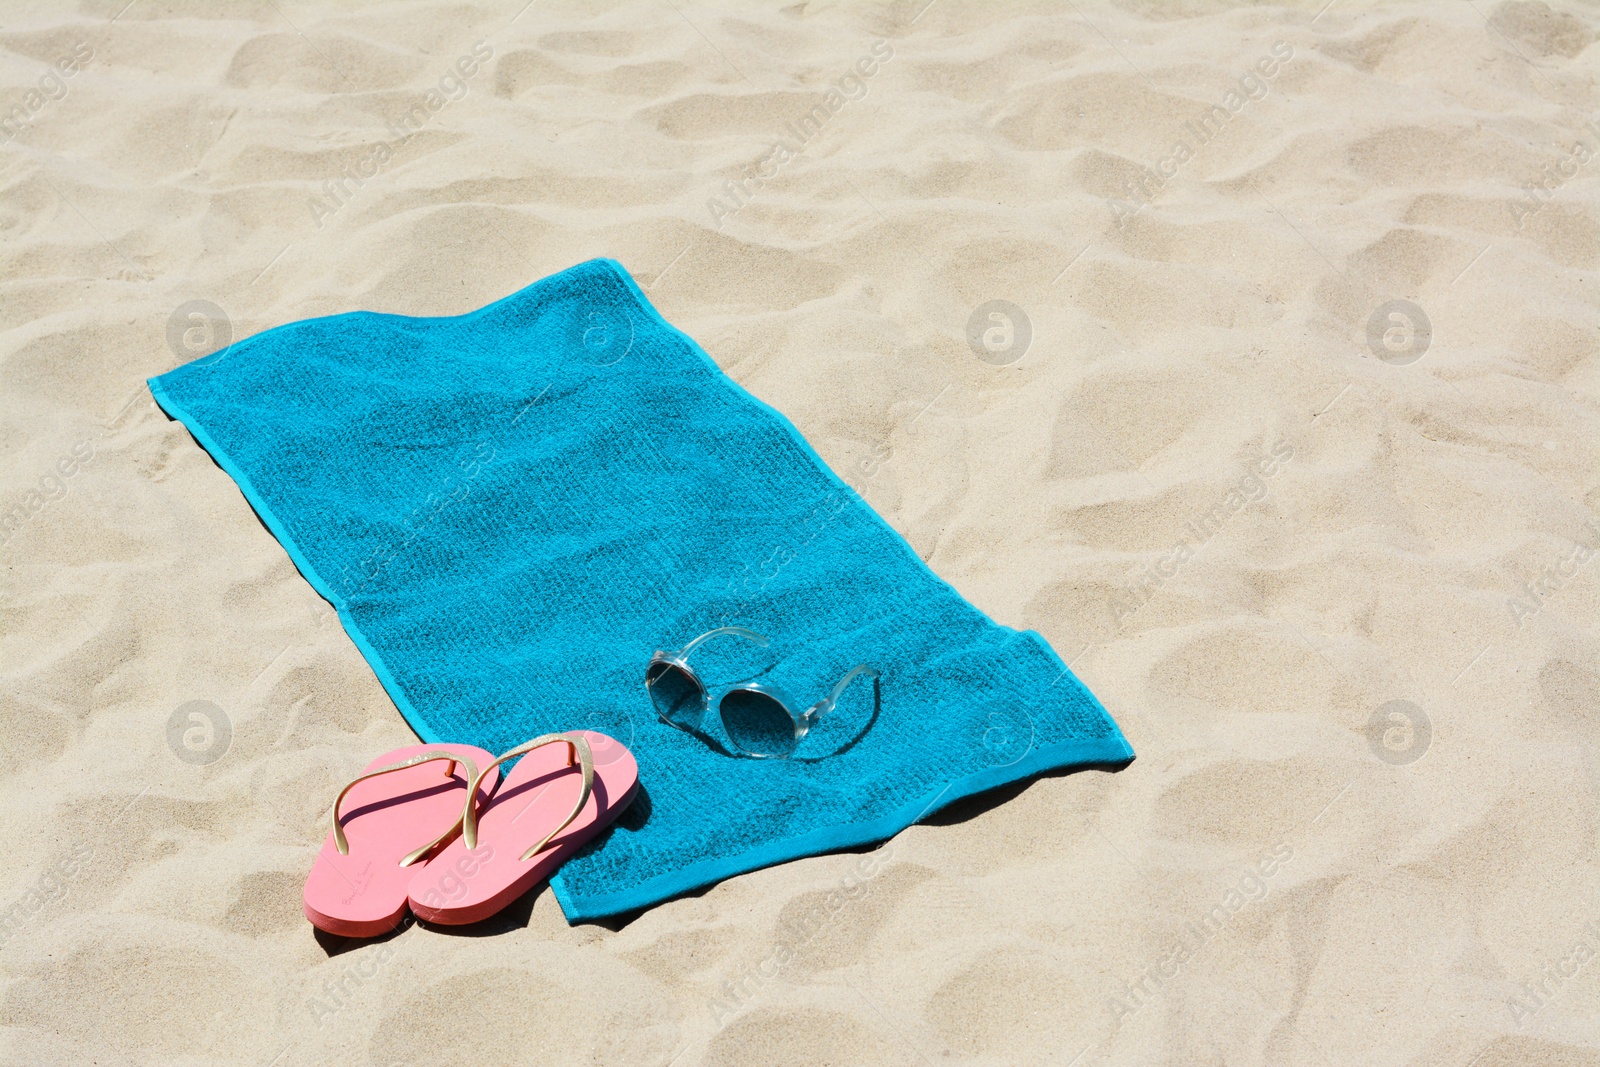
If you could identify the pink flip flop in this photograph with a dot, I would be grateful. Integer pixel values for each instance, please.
(567, 788)
(357, 885)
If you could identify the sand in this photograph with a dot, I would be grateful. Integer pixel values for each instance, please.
(1330, 566)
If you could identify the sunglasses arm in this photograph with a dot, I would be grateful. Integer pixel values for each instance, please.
(735, 631)
(826, 704)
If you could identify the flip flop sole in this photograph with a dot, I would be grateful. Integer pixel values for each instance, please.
(464, 885)
(363, 893)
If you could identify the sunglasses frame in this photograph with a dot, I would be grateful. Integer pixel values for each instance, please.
(679, 660)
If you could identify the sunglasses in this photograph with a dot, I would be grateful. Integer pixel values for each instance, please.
(759, 719)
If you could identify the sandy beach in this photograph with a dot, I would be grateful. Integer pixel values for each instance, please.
(1248, 354)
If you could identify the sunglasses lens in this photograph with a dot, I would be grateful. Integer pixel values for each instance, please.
(676, 695)
(757, 724)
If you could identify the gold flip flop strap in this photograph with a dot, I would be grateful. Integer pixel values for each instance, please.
(425, 757)
(580, 749)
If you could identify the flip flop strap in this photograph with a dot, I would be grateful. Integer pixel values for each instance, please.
(343, 845)
(580, 749)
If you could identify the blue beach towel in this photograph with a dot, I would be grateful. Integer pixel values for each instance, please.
(512, 509)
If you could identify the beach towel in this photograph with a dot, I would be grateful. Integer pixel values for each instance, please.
(513, 508)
